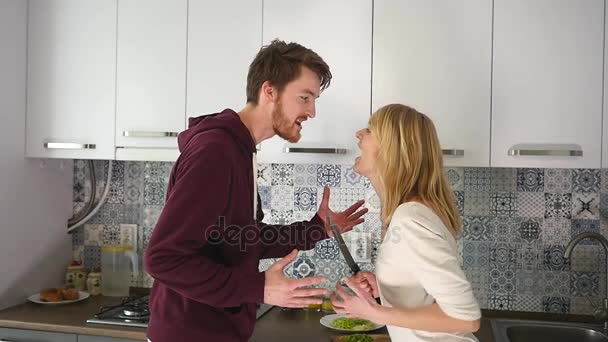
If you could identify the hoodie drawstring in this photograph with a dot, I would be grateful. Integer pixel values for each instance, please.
(255, 187)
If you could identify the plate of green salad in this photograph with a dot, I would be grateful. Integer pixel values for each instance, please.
(342, 323)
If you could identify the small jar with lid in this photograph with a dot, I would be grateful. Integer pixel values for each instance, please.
(94, 282)
(75, 276)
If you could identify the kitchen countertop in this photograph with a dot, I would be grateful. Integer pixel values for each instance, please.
(69, 318)
(276, 325)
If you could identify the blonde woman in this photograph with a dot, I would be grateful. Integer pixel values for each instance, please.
(424, 293)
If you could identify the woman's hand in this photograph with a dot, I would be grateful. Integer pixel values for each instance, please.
(361, 305)
(366, 281)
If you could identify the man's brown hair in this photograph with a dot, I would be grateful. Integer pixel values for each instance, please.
(280, 63)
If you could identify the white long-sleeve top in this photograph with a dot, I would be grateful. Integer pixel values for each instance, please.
(417, 265)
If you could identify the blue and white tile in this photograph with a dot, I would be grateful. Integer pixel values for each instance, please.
(282, 174)
(528, 303)
(604, 180)
(586, 205)
(133, 214)
(478, 228)
(459, 197)
(281, 216)
(282, 198)
(372, 201)
(558, 205)
(553, 258)
(343, 198)
(455, 176)
(476, 203)
(264, 264)
(303, 267)
(116, 192)
(531, 204)
(584, 284)
(506, 229)
(154, 193)
(372, 223)
(118, 171)
(585, 259)
(530, 229)
(327, 249)
(558, 180)
(502, 281)
(477, 179)
(144, 234)
(556, 231)
(264, 175)
(157, 172)
(583, 226)
(501, 302)
(556, 305)
(582, 306)
(78, 236)
(604, 206)
(305, 175)
(109, 214)
(556, 283)
(503, 179)
(111, 235)
(528, 283)
(265, 196)
(530, 180)
(503, 204)
(299, 216)
(92, 256)
(586, 180)
(150, 215)
(329, 175)
(476, 255)
(480, 280)
(93, 234)
(529, 257)
(502, 256)
(305, 199)
(351, 179)
(79, 191)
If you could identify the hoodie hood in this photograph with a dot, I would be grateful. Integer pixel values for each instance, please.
(227, 120)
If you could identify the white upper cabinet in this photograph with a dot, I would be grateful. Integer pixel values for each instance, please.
(435, 56)
(547, 83)
(71, 79)
(340, 31)
(151, 73)
(223, 38)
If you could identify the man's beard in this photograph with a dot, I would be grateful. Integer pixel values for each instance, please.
(282, 127)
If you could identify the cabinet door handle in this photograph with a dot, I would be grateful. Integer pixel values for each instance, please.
(324, 150)
(545, 151)
(149, 134)
(452, 152)
(68, 146)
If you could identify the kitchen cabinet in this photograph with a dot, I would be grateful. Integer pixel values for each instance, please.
(71, 79)
(547, 83)
(223, 39)
(341, 33)
(435, 56)
(88, 338)
(151, 74)
(22, 335)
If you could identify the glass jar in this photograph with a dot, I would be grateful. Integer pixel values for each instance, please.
(94, 283)
(75, 277)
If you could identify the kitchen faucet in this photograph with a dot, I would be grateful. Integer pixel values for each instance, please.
(601, 312)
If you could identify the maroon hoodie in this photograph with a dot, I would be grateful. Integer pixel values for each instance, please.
(205, 248)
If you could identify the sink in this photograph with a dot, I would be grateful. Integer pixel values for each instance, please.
(507, 330)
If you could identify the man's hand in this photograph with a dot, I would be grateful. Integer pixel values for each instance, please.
(286, 292)
(345, 220)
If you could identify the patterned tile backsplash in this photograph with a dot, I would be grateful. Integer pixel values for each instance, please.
(517, 223)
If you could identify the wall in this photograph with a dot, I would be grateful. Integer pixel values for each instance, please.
(35, 200)
(517, 223)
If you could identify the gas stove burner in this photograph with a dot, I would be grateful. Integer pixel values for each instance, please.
(135, 312)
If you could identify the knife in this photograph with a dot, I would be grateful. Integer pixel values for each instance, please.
(345, 253)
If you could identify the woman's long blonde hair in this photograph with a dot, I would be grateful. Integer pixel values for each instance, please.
(410, 164)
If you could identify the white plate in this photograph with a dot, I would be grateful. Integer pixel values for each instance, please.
(326, 321)
(36, 299)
